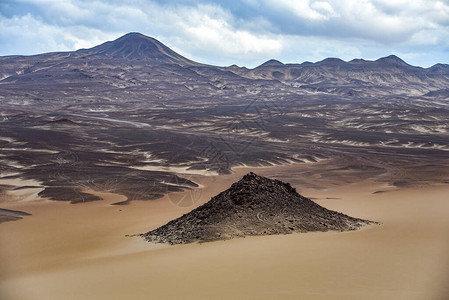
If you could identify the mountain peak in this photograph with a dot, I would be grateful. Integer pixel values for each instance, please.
(254, 205)
(271, 63)
(440, 69)
(134, 35)
(358, 61)
(136, 46)
(392, 60)
(331, 61)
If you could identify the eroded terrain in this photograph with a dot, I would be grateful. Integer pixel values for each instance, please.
(98, 119)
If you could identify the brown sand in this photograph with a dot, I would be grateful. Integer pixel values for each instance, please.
(80, 251)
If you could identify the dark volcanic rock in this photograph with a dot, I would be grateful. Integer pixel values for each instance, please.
(72, 194)
(11, 215)
(255, 205)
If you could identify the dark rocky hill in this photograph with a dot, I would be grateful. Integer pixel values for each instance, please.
(255, 205)
(136, 46)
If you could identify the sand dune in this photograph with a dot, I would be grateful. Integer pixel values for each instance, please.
(65, 251)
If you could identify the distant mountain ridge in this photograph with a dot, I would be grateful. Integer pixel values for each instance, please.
(110, 65)
(136, 46)
(332, 75)
(332, 61)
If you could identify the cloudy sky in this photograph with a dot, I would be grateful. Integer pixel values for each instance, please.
(245, 32)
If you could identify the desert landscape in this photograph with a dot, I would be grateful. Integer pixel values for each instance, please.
(82, 251)
(100, 147)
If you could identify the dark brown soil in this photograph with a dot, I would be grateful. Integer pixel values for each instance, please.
(11, 215)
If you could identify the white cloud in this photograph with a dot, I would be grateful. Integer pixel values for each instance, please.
(299, 49)
(212, 28)
(28, 35)
(391, 21)
(288, 30)
(23, 35)
(317, 10)
(325, 8)
(385, 21)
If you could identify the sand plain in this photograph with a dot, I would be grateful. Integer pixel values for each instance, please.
(81, 251)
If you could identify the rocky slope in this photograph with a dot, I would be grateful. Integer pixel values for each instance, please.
(255, 205)
(385, 76)
(136, 46)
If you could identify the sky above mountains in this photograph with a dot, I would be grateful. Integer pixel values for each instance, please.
(246, 32)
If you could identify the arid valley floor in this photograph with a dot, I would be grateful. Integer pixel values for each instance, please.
(100, 145)
(68, 251)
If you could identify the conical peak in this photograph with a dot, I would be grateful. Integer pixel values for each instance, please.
(271, 63)
(134, 35)
(252, 187)
(252, 177)
(136, 46)
(392, 60)
(136, 38)
(254, 205)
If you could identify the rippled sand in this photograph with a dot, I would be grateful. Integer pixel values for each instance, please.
(80, 251)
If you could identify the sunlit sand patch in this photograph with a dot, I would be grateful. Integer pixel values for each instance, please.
(274, 140)
(22, 190)
(31, 150)
(127, 122)
(26, 194)
(13, 163)
(132, 245)
(180, 170)
(7, 139)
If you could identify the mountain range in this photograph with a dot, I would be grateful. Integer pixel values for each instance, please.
(125, 115)
(121, 64)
